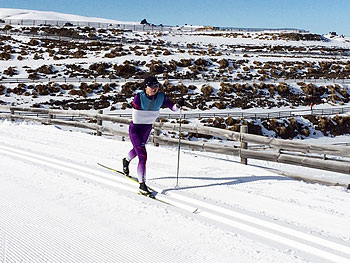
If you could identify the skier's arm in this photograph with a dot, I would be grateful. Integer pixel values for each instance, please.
(171, 105)
(167, 103)
(136, 103)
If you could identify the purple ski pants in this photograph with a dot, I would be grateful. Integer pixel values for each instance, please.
(139, 134)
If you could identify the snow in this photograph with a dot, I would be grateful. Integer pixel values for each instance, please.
(58, 205)
(14, 14)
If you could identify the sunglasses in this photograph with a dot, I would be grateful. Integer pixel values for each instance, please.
(154, 86)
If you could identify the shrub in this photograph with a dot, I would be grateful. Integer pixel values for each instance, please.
(207, 90)
(79, 54)
(230, 121)
(283, 89)
(124, 71)
(80, 92)
(220, 105)
(42, 89)
(201, 62)
(46, 69)
(7, 27)
(37, 57)
(129, 88)
(271, 90)
(184, 63)
(2, 90)
(33, 42)
(100, 68)
(166, 53)
(5, 56)
(67, 87)
(157, 67)
(10, 71)
(33, 76)
(223, 63)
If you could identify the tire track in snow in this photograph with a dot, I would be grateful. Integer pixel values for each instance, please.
(307, 243)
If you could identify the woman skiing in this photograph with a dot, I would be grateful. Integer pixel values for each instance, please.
(146, 106)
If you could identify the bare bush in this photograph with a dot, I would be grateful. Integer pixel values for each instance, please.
(207, 90)
(223, 63)
(124, 71)
(10, 71)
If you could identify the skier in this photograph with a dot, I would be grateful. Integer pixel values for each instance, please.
(146, 105)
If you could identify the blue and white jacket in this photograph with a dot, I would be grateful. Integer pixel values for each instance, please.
(146, 108)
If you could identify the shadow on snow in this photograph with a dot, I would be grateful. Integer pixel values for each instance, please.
(228, 181)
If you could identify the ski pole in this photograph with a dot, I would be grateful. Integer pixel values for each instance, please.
(178, 151)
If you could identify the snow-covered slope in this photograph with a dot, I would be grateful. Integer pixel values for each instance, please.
(7, 13)
(57, 205)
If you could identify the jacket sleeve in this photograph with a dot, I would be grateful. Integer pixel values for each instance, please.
(136, 103)
(167, 103)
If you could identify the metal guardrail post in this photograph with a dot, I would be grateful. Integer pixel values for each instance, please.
(244, 145)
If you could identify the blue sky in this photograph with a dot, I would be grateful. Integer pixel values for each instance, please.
(317, 16)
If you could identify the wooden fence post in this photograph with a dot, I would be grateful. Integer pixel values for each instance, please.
(156, 134)
(99, 123)
(244, 145)
(12, 113)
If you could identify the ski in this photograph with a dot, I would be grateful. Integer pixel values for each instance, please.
(119, 172)
(153, 193)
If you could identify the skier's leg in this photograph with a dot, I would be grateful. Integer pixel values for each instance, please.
(140, 151)
(138, 137)
(141, 167)
(139, 143)
(142, 154)
(131, 155)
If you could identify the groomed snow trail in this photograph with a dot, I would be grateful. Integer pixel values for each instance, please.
(57, 228)
(43, 234)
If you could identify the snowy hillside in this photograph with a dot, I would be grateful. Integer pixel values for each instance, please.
(24, 14)
(58, 205)
(90, 68)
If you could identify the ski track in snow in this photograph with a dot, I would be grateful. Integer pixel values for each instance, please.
(39, 232)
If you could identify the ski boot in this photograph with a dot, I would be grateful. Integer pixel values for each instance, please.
(144, 189)
(126, 166)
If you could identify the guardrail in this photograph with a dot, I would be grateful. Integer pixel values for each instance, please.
(326, 157)
(251, 115)
(226, 114)
(184, 80)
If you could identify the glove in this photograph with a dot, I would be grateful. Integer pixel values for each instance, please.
(181, 102)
